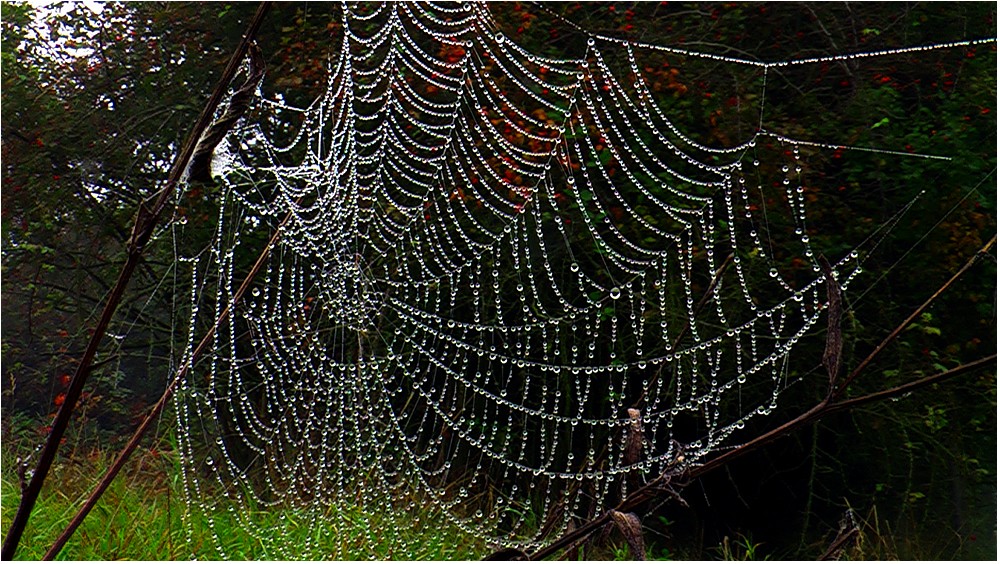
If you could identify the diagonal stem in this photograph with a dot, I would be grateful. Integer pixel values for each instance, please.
(133, 443)
(820, 410)
(910, 387)
(916, 313)
(145, 222)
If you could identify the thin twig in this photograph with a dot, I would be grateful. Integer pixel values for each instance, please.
(822, 409)
(915, 385)
(827, 407)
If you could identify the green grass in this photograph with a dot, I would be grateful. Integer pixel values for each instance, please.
(140, 518)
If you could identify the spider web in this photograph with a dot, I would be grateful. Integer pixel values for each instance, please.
(509, 285)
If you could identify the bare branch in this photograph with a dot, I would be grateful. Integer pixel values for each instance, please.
(916, 313)
(146, 221)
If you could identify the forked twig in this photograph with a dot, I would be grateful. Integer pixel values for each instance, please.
(916, 313)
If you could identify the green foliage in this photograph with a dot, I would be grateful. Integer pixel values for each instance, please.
(742, 548)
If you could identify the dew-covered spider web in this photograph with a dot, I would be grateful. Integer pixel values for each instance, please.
(510, 286)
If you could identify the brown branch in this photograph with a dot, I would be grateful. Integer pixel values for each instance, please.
(916, 313)
(571, 537)
(661, 484)
(915, 385)
(133, 443)
(826, 407)
(822, 409)
(817, 411)
(146, 221)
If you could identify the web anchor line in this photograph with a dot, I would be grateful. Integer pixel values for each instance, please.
(784, 139)
(752, 61)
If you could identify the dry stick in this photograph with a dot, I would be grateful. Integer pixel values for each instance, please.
(826, 407)
(902, 326)
(829, 405)
(119, 463)
(145, 222)
(910, 387)
(821, 409)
